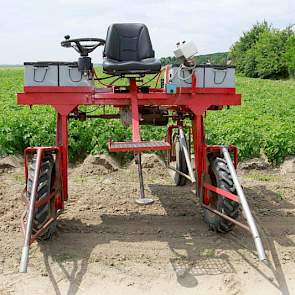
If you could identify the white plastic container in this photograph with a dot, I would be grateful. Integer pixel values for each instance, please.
(186, 50)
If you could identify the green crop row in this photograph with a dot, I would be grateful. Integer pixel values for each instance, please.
(265, 123)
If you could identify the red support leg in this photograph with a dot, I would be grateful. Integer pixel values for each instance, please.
(134, 111)
(198, 137)
(236, 158)
(62, 112)
(62, 140)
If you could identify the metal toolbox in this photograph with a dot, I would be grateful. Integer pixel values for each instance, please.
(208, 76)
(55, 74)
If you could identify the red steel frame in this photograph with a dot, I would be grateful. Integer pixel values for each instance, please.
(194, 100)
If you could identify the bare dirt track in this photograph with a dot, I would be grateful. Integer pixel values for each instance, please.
(106, 244)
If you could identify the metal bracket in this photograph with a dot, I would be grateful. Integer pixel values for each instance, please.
(26, 246)
(183, 145)
(142, 200)
(245, 206)
(182, 142)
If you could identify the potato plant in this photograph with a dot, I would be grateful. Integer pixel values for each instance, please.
(264, 124)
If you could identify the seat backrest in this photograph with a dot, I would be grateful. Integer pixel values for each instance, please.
(128, 42)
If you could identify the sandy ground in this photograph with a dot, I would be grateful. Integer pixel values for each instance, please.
(106, 244)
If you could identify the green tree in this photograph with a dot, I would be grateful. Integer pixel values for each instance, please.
(290, 55)
(168, 60)
(218, 58)
(269, 53)
(239, 52)
(250, 63)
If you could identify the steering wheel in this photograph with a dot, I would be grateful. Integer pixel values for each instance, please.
(83, 45)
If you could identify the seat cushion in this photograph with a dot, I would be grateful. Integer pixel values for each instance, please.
(145, 66)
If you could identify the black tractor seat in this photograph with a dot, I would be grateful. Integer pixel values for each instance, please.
(128, 50)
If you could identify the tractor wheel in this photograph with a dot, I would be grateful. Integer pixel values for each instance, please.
(180, 163)
(219, 176)
(45, 182)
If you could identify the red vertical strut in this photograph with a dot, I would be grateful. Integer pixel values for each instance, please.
(134, 110)
(62, 140)
(198, 137)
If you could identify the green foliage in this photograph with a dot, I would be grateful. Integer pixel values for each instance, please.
(263, 124)
(269, 52)
(260, 52)
(290, 55)
(168, 60)
(218, 58)
(21, 126)
(242, 55)
(249, 64)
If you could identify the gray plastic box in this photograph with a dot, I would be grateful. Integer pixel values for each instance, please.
(69, 75)
(219, 76)
(183, 77)
(41, 74)
(208, 76)
(55, 74)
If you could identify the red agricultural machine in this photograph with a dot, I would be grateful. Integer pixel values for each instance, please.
(187, 92)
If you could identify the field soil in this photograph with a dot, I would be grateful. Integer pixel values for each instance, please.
(107, 244)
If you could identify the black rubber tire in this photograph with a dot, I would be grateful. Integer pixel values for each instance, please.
(180, 164)
(44, 188)
(220, 177)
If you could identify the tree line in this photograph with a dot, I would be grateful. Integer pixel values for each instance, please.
(265, 52)
(262, 52)
(219, 58)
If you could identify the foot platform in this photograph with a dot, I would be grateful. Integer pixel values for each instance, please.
(139, 146)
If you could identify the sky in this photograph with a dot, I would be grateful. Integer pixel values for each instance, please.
(31, 30)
